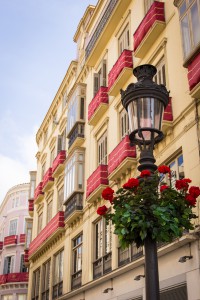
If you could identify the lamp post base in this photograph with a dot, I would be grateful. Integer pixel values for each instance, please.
(151, 270)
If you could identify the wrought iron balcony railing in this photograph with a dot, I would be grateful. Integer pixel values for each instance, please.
(78, 132)
(102, 265)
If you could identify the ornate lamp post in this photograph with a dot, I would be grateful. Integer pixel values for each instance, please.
(145, 101)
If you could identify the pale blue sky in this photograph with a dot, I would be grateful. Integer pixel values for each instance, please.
(36, 47)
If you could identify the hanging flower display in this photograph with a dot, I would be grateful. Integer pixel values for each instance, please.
(144, 208)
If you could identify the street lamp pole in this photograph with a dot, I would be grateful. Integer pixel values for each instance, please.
(145, 101)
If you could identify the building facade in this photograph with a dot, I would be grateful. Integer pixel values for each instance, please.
(83, 146)
(14, 218)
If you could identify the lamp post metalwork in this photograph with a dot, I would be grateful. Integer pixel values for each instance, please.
(145, 101)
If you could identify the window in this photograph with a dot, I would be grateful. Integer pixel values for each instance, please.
(160, 77)
(29, 225)
(147, 5)
(36, 285)
(58, 275)
(60, 198)
(45, 137)
(61, 143)
(103, 248)
(76, 112)
(53, 155)
(32, 185)
(129, 254)
(21, 297)
(7, 297)
(23, 269)
(43, 170)
(13, 227)
(177, 170)
(124, 40)
(40, 218)
(100, 78)
(102, 149)
(49, 211)
(77, 261)
(124, 124)
(46, 280)
(8, 264)
(74, 174)
(189, 13)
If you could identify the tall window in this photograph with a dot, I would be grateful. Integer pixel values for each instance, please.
(29, 225)
(160, 77)
(40, 218)
(74, 174)
(32, 184)
(36, 285)
(102, 150)
(8, 264)
(77, 261)
(189, 12)
(49, 211)
(147, 5)
(53, 155)
(124, 125)
(23, 268)
(100, 78)
(58, 275)
(46, 280)
(61, 143)
(103, 248)
(13, 227)
(60, 198)
(76, 111)
(43, 170)
(124, 40)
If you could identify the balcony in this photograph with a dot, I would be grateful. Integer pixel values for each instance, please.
(194, 77)
(106, 25)
(48, 233)
(120, 72)
(96, 183)
(58, 163)
(167, 117)
(74, 207)
(38, 195)
(149, 29)
(98, 106)
(76, 136)
(14, 277)
(22, 238)
(10, 240)
(122, 158)
(1, 246)
(31, 207)
(47, 180)
(102, 266)
(129, 254)
(76, 280)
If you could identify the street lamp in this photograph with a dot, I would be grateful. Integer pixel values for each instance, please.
(145, 101)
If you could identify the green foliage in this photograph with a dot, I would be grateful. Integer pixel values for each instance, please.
(143, 211)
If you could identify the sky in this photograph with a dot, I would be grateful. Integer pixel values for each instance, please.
(36, 48)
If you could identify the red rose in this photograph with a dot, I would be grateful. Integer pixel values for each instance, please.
(188, 180)
(181, 184)
(164, 169)
(102, 210)
(163, 187)
(194, 191)
(145, 173)
(107, 194)
(131, 183)
(192, 201)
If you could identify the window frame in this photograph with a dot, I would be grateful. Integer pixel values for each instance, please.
(58, 283)
(76, 277)
(193, 48)
(100, 77)
(102, 149)
(45, 285)
(123, 123)
(124, 39)
(35, 291)
(16, 227)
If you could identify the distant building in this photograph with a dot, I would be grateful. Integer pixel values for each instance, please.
(83, 146)
(13, 223)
